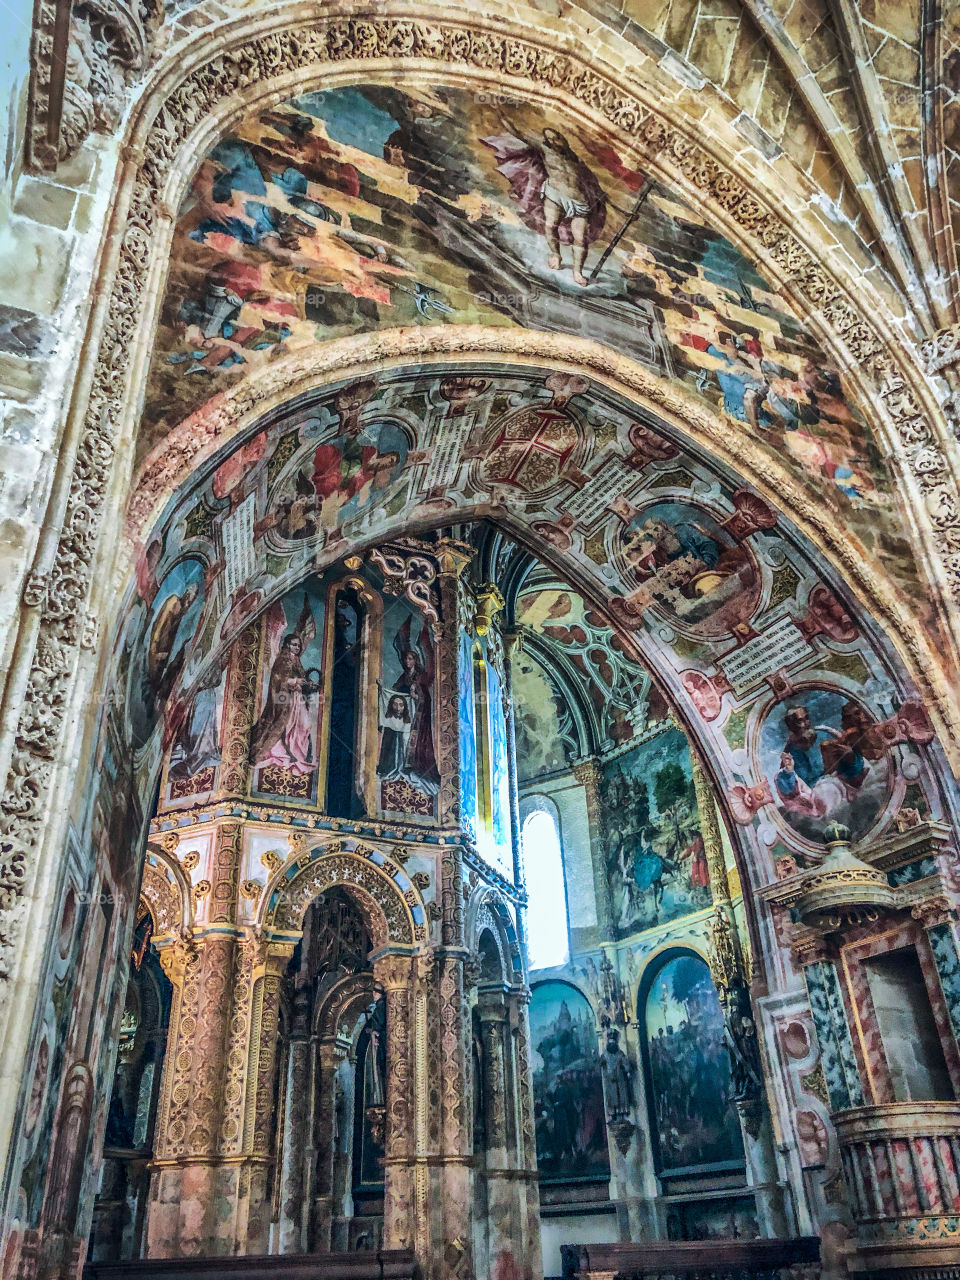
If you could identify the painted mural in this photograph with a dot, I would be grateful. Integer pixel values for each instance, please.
(161, 650)
(284, 746)
(407, 767)
(195, 753)
(752, 609)
(829, 761)
(567, 1087)
(656, 864)
(546, 737)
(693, 1116)
(355, 208)
(690, 568)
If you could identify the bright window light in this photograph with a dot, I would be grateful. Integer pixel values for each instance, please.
(547, 937)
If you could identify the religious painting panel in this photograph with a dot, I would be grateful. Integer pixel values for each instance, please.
(158, 656)
(407, 768)
(693, 1117)
(195, 754)
(321, 480)
(571, 1131)
(827, 760)
(692, 570)
(655, 858)
(284, 750)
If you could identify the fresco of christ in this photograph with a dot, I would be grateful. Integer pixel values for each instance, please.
(555, 192)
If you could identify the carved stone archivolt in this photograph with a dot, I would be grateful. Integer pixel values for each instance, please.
(388, 913)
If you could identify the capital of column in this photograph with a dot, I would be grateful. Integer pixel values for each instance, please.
(934, 911)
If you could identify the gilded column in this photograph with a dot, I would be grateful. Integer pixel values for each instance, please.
(183, 1216)
(254, 1187)
(239, 708)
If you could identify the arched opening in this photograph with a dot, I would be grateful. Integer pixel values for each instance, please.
(330, 1105)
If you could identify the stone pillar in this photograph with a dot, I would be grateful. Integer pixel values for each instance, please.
(837, 1055)
(183, 1216)
(527, 1173)
(295, 1149)
(456, 1110)
(323, 1199)
(212, 1174)
(402, 1209)
(503, 1208)
(257, 1124)
(937, 916)
(587, 773)
(730, 974)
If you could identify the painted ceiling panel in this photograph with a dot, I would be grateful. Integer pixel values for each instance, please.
(365, 208)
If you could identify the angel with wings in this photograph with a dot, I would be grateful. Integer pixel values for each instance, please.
(414, 686)
(284, 734)
(555, 192)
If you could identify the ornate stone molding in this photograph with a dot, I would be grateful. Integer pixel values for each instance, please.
(942, 351)
(81, 59)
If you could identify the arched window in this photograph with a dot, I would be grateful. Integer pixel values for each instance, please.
(548, 940)
(482, 730)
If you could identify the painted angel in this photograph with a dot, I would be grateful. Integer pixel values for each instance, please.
(417, 667)
(555, 192)
(284, 734)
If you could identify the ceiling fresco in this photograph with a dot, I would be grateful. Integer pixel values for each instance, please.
(354, 209)
(791, 692)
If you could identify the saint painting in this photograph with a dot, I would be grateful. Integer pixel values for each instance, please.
(829, 762)
(196, 748)
(284, 736)
(407, 750)
(162, 653)
(691, 568)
